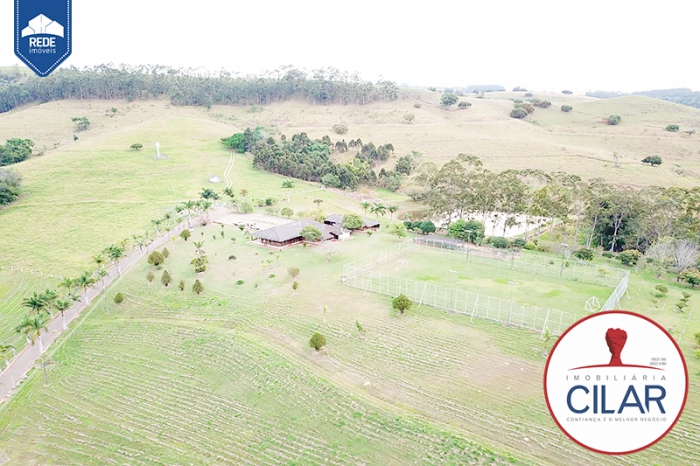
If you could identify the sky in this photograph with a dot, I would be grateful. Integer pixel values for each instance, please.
(543, 45)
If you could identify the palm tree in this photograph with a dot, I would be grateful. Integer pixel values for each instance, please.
(62, 306)
(244, 193)
(32, 326)
(189, 207)
(206, 205)
(5, 354)
(288, 184)
(99, 260)
(101, 274)
(378, 208)
(115, 253)
(68, 284)
(198, 245)
(392, 209)
(35, 303)
(85, 281)
(50, 297)
(318, 203)
(157, 222)
(365, 206)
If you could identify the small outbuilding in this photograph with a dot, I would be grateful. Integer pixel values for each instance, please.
(337, 220)
(214, 179)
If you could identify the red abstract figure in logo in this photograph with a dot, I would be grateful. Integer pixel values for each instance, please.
(616, 339)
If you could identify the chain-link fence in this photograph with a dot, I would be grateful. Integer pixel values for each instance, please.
(362, 274)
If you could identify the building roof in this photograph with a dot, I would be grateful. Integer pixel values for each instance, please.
(337, 219)
(292, 230)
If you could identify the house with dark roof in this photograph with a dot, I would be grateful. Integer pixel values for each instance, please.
(290, 233)
(337, 220)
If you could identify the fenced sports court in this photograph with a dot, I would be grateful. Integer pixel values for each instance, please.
(363, 274)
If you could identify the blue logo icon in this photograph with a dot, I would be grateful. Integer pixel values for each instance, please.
(43, 33)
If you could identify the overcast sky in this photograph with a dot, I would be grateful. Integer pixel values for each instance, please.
(539, 44)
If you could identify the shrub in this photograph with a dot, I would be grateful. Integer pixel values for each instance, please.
(543, 104)
(119, 298)
(530, 246)
(567, 92)
(672, 128)
(696, 335)
(584, 254)
(340, 128)
(156, 258)
(359, 326)
(197, 287)
(614, 119)
(417, 105)
(528, 94)
(317, 341)
(166, 279)
(630, 257)
(566, 108)
(518, 113)
(608, 254)
(150, 276)
(181, 285)
(295, 285)
(165, 253)
(231, 257)
(464, 104)
(240, 282)
(499, 242)
(185, 234)
(408, 118)
(136, 146)
(661, 288)
(542, 248)
(272, 275)
(519, 243)
(293, 271)
(402, 303)
(652, 160)
(528, 107)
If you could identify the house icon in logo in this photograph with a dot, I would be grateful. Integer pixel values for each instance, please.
(40, 24)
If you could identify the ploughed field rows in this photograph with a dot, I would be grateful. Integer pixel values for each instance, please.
(14, 287)
(149, 392)
(479, 376)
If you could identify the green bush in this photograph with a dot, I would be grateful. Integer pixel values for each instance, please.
(608, 254)
(528, 94)
(566, 108)
(542, 248)
(317, 341)
(165, 253)
(156, 258)
(518, 113)
(197, 287)
(464, 104)
(584, 254)
(652, 160)
(185, 234)
(402, 303)
(542, 103)
(150, 276)
(686, 295)
(696, 335)
(181, 285)
(661, 288)
(530, 246)
(272, 275)
(231, 257)
(295, 285)
(614, 119)
(119, 298)
(630, 257)
(499, 242)
(166, 279)
(519, 243)
(672, 128)
(340, 128)
(240, 282)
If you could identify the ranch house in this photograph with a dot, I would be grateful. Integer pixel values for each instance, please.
(337, 220)
(290, 233)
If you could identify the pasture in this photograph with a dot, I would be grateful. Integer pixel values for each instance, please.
(227, 377)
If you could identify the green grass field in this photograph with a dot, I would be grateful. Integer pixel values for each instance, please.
(228, 376)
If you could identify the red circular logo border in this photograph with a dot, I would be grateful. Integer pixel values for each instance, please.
(680, 353)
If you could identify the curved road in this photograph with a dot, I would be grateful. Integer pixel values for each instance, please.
(26, 359)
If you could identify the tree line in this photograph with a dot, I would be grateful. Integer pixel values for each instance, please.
(594, 213)
(192, 87)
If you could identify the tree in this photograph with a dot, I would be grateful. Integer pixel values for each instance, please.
(81, 123)
(311, 233)
(157, 222)
(32, 326)
(462, 105)
(318, 203)
(198, 247)
(685, 254)
(85, 281)
(566, 108)
(401, 303)
(287, 212)
(448, 100)
(584, 254)
(10, 186)
(293, 271)
(379, 209)
(246, 208)
(15, 150)
(614, 119)
(288, 184)
(672, 128)
(235, 142)
(518, 113)
(408, 118)
(197, 287)
(149, 276)
(652, 160)
(692, 276)
(340, 128)
(317, 341)
(136, 146)
(156, 258)
(5, 351)
(392, 209)
(118, 298)
(471, 231)
(365, 205)
(353, 222)
(62, 306)
(399, 229)
(181, 285)
(660, 256)
(630, 257)
(208, 193)
(426, 227)
(166, 279)
(166, 253)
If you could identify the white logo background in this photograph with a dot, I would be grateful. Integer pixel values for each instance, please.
(585, 345)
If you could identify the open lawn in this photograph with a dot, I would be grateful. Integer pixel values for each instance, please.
(227, 377)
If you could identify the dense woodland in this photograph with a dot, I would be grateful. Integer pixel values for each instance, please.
(191, 87)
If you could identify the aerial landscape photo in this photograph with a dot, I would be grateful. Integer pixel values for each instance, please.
(300, 234)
